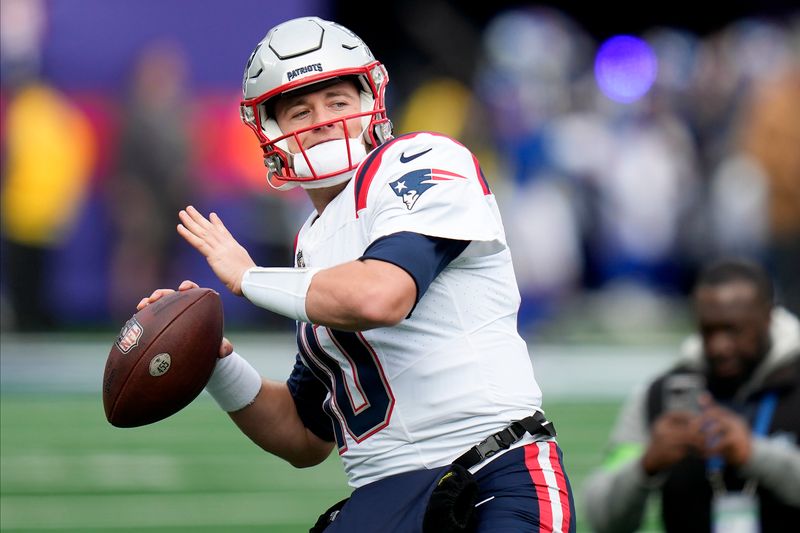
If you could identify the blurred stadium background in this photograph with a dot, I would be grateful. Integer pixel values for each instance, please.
(626, 145)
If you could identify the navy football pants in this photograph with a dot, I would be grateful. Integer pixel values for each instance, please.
(526, 490)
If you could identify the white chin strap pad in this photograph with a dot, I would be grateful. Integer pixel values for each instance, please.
(327, 182)
(327, 158)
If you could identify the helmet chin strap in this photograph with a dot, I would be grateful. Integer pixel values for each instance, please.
(328, 182)
(329, 157)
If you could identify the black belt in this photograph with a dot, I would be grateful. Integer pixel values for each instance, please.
(536, 424)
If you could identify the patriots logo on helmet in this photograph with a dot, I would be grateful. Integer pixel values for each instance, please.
(412, 185)
(129, 335)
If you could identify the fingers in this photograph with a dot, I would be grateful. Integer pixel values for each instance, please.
(676, 422)
(681, 418)
(203, 234)
(216, 221)
(194, 220)
(727, 434)
(160, 293)
(226, 348)
(200, 225)
(194, 223)
(679, 432)
(187, 284)
(705, 400)
(194, 216)
(719, 443)
(155, 296)
(198, 243)
(717, 420)
(695, 430)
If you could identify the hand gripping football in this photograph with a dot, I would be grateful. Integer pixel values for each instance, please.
(163, 358)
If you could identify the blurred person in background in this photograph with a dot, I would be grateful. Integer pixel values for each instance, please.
(770, 135)
(641, 196)
(531, 57)
(410, 362)
(718, 435)
(48, 156)
(753, 201)
(641, 190)
(151, 182)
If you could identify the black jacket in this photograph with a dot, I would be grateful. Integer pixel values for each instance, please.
(686, 492)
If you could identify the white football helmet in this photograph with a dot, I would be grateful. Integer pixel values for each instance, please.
(300, 53)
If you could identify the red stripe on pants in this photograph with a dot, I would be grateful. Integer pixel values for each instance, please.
(539, 482)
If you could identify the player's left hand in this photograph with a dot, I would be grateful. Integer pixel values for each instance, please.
(227, 258)
(727, 435)
(226, 346)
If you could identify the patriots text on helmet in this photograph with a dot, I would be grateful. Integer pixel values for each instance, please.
(292, 74)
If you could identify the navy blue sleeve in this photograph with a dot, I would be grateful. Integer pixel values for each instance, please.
(423, 257)
(309, 393)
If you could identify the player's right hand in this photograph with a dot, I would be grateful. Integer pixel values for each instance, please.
(227, 258)
(225, 348)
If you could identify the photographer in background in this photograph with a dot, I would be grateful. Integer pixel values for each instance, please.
(722, 453)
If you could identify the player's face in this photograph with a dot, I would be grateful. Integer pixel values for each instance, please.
(326, 106)
(734, 324)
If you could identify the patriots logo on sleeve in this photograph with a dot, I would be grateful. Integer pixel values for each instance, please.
(412, 185)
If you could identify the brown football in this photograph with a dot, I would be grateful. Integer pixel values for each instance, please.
(163, 358)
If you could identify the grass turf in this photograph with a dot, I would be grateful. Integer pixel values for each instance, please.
(64, 468)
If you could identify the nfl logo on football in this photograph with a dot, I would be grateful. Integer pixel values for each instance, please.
(129, 335)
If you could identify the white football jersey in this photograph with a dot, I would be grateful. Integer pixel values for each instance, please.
(421, 393)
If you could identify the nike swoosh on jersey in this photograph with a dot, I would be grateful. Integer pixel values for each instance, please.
(404, 159)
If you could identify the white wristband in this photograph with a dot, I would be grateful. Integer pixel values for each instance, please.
(281, 290)
(234, 384)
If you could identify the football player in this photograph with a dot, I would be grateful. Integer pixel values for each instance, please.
(410, 364)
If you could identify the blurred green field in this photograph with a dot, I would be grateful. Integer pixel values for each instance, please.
(65, 469)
